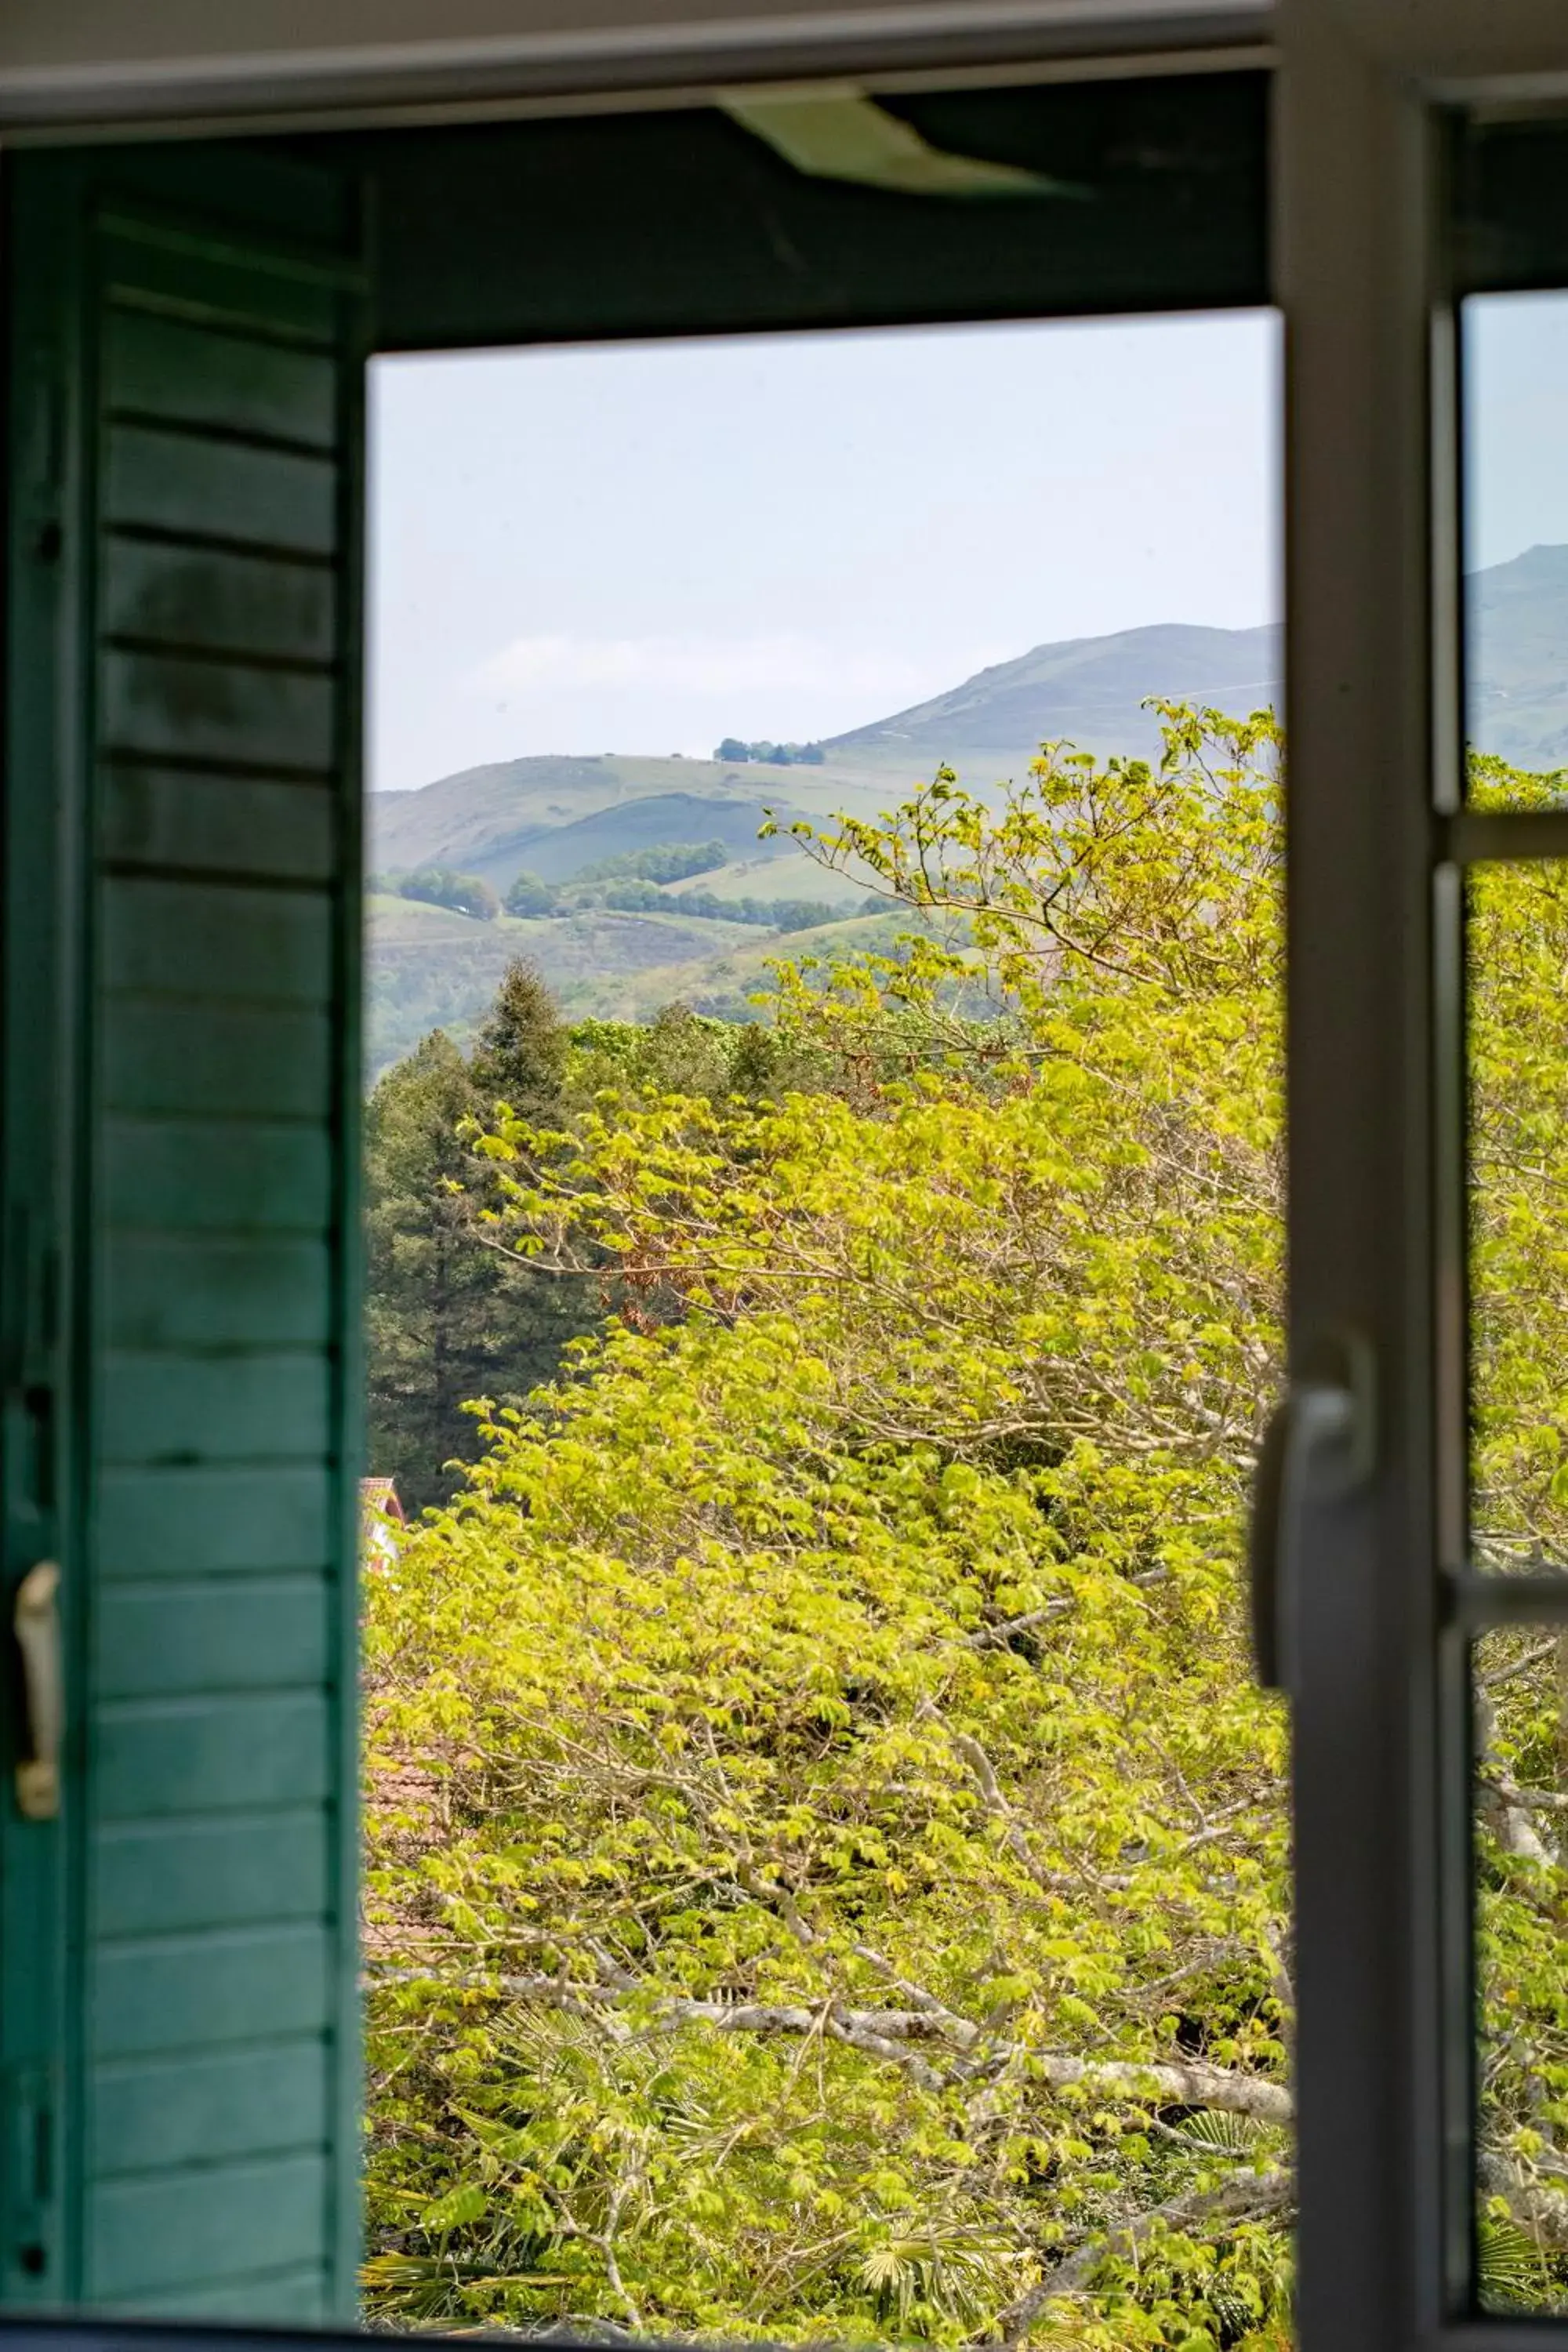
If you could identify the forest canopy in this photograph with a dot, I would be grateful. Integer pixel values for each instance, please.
(827, 1869)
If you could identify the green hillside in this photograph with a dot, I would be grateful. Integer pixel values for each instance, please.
(557, 853)
(551, 816)
(428, 969)
(724, 980)
(785, 872)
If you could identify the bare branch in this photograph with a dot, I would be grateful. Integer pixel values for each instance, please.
(890, 2034)
(1533, 1657)
(1173, 2083)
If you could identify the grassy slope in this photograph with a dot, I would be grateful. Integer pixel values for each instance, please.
(789, 875)
(495, 820)
(726, 979)
(428, 967)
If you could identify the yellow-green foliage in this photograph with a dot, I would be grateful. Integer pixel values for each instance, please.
(828, 1868)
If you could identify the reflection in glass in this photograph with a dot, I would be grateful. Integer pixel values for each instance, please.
(1518, 958)
(1520, 1681)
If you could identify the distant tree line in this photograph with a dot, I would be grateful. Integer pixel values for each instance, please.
(637, 883)
(772, 755)
(669, 861)
(441, 886)
(633, 883)
(767, 914)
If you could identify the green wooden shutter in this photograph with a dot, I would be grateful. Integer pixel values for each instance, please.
(181, 1081)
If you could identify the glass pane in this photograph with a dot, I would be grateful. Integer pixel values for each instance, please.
(827, 1852)
(1515, 350)
(1520, 1685)
(1515, 523)
(1518, 1025)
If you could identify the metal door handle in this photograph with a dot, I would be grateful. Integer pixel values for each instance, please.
(36, 1620)
(1318, 1448)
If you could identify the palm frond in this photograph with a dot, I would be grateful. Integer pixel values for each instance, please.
(1508, 2265)
(1220, 2135)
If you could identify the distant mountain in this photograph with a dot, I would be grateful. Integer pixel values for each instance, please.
(555, 816)
(1517, 658)
(544, 813)
(1088, 689)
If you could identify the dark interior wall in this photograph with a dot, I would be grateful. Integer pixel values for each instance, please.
(1509, 183)
(681, 222)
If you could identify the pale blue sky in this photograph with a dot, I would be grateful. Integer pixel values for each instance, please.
(1516, 419)
(643, 546)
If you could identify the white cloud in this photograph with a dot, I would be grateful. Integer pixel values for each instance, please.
(695, 665)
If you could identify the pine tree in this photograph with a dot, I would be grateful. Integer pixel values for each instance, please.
(520, 1055)
(448, 1321)
(428, 1289)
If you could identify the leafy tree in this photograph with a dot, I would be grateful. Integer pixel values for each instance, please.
(643, 897)
(688, 1053)
(827, 1855)
(779, 755)
(529, 896)
(873, 1915)
(1518, 951)
(440, 886)
(670, 861)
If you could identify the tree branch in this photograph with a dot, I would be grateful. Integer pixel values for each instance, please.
(1541, 2210)
(890, 2034)
(1245, 2196)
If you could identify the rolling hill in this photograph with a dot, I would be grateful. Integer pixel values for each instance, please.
(1088, 689)
(554, 816)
